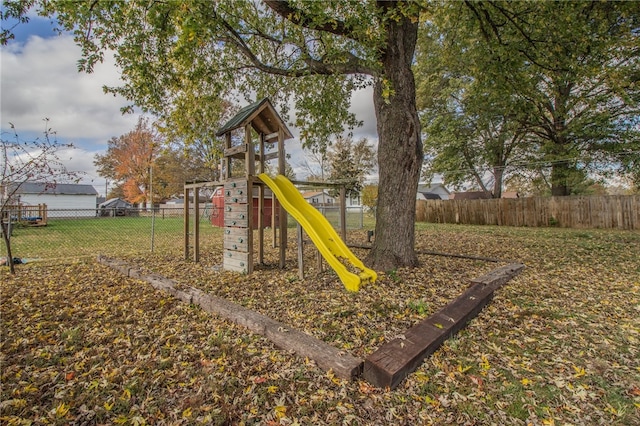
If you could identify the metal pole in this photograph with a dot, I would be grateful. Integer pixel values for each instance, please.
(153, 211)
(186, 222)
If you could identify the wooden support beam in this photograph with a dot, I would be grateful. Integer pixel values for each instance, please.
(208, 184)
(303, 183)
(270, 136)
(326, 357)
(300, 253)
(227, 160)
(250, 155)
(258, 123)
(386, 367)
(261, 190)
(270, 156)
(238, 149)
(283, 212)
(186, 223)
(395, 360)
(250, 171)
(274, 228)
(343, 214)
(319, 259)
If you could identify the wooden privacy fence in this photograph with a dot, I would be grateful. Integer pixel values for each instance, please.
(611, 211)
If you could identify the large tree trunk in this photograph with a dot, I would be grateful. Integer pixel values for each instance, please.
(399, 151)
(498, 175)
(560, 172)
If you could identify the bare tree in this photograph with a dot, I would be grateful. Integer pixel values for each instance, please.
(28, 161)
(314, 165)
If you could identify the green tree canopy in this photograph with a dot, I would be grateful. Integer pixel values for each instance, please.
(305, 54)
(560, 79)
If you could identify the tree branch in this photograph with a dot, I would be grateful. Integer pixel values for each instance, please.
(352, 65)
(298, 17)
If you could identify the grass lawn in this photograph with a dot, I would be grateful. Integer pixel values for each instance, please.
(559, 344)
(83, 237)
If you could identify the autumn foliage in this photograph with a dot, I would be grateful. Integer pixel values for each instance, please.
(559, 344)
(128, 161)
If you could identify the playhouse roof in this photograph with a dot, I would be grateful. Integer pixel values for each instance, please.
(263, 118)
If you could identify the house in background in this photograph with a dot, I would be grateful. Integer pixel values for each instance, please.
(318, 198)
(62, 200)
(437, 191)
(353, 200)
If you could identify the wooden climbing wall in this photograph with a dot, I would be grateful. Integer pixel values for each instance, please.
(238, 237)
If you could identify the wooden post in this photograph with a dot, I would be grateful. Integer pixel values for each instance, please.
(283, 212)
(261, 190)
(250, 158)
(273, 220)
(319, 260)
(300, 253)
(343, 214)
(186, 223)
(196, 224)
(227, 160)
(250, 171)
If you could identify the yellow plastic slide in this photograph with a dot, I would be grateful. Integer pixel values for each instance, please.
(349, 268)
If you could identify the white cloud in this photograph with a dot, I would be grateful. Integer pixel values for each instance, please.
(39, 79)
(79, 160)
(362, 106)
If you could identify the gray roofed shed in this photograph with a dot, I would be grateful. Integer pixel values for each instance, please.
(117, 207)
(116, 203)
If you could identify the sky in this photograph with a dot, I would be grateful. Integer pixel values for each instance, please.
(39, 80)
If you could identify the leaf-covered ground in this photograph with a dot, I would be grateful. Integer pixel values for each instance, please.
(559, 344)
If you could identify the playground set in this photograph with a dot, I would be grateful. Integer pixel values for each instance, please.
(389, 364)
(244, 212)
(218, 202)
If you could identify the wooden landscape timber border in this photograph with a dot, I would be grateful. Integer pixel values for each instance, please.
(325, 356)
(396, 359)
(386, 367)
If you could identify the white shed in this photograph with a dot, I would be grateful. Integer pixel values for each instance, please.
(62, 200)
(353, 200)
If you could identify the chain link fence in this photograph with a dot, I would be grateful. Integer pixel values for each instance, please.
(61, 235)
